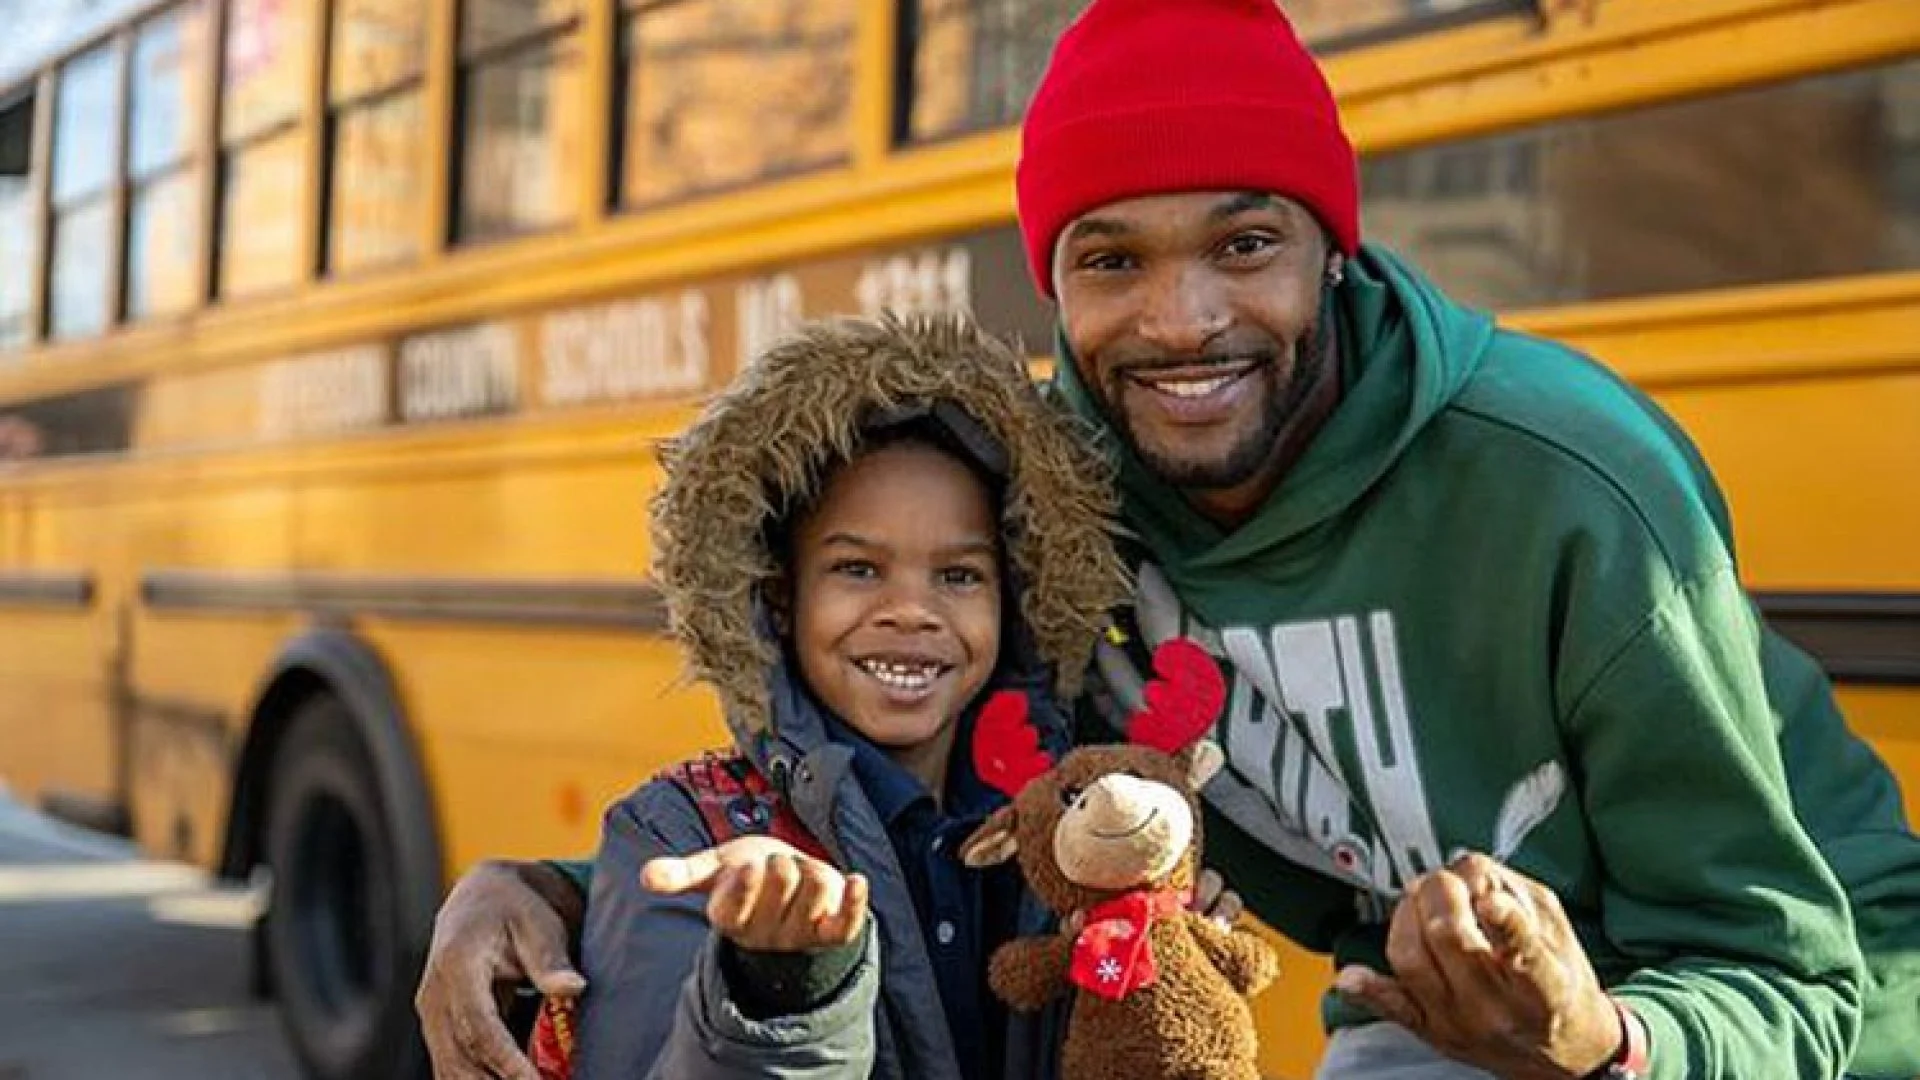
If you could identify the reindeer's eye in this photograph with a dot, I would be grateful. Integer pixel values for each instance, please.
(1069, 796)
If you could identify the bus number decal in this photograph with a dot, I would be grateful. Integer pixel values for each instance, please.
(769, 309)
(930, 282)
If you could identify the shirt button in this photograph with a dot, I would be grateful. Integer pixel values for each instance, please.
(944, 932)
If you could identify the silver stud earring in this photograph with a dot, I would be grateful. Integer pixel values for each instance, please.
(1336, 270)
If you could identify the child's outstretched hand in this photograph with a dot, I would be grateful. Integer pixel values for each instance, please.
(765, 895)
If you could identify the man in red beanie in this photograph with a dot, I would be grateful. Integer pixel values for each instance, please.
(1505, 736)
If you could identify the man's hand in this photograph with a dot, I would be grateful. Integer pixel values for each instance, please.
(1212, 898)
(1488, 971)
(766, 896)
(504, 922)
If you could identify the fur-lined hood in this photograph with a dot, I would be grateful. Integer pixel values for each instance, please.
(766, 443)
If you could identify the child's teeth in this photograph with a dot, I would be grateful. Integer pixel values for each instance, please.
(903, 676)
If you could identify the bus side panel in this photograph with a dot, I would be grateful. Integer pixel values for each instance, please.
(529, 734)
(195, 675)
(1823, 474)
(1889, 718)
(60, 664)
(1287, 1014)
(57, 728)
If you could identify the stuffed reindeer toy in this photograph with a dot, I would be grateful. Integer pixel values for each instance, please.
(1109, 838)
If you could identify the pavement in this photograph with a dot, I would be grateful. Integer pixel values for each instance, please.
(116, 967)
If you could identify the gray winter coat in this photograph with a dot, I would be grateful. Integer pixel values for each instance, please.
(657, 1005)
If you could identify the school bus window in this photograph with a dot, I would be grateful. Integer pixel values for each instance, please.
(487, 24)
(163, 238)
(86, 146)
(19, 240)
(268, 55)
(1330, 25)
(266, 58)
(377, 189)
(163, 205)
(522, 118)
(698, 77)
(974, 63)
(1669, 198)
(375, 45)
(260, 226)
(378, 179)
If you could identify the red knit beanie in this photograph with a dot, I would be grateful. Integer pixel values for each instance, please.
(1150, 97)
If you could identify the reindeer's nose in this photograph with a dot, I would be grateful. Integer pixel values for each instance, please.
(1118, 802)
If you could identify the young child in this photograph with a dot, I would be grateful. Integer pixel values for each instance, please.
(879, 525)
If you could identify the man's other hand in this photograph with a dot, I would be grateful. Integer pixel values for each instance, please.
(1487, 970)
(504, 923)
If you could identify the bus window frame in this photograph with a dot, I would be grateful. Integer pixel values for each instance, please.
(1430, 22)
(229, 149)
(468, 62)
(907, 28)
(628, 12)
(190, 161)
(361, 100)
(34, 95)
(111, 196)
(1784, 92)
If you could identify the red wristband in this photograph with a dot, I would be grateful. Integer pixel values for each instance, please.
(1630, 1061)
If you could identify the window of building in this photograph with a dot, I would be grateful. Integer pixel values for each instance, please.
(697, 77)
(166, 111)
(266, 64)
(523, 117)
(86, 149)
(377, 182)
(19, 229)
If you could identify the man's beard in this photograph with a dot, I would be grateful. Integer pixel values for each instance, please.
(1251, 453)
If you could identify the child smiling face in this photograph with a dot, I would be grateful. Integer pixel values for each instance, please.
(896, 598)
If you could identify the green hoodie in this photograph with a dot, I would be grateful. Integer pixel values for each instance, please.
(1494, 607)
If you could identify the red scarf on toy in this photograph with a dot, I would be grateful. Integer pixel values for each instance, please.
(1112, 954)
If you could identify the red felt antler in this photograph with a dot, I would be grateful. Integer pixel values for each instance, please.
(1006, 747)
(1183, 702)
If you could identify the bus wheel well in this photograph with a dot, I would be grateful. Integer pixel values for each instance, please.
(272, 716)
(331, 661)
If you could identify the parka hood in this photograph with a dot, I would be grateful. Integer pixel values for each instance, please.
(765, 445)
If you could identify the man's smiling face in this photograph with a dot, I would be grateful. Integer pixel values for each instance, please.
(1193, 319)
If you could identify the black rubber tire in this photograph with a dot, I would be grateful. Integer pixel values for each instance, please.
(341, 952)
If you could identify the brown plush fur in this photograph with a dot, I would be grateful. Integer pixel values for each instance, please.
(1194, 1022)
(768, 441)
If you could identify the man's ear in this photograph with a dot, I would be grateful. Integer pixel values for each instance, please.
(1202, 760)
(995, 841)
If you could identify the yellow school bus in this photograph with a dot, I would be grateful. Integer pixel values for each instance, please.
(336, 335)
